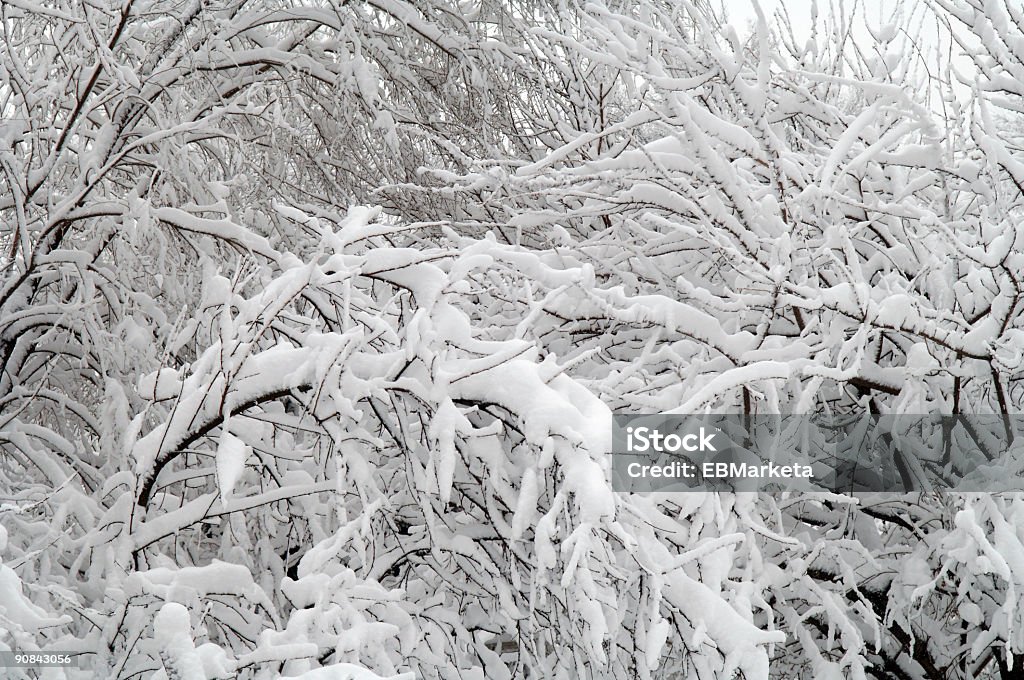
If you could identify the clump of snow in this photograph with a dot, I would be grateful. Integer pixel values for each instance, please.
(232, 453)
(17, 612)
(172, 631)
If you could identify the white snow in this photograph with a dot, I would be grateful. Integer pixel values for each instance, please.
(232, 453)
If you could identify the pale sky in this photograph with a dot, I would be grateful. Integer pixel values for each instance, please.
(864, 13)
(742, 11)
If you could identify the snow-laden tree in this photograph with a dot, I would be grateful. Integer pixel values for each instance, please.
(802, 234)
(153, 155)
(247, 430)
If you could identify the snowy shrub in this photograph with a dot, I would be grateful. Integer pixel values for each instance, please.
(252, 428)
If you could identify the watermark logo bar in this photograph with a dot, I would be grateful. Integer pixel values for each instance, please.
(838, 453)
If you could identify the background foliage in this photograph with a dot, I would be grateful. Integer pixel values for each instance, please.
(251, 428)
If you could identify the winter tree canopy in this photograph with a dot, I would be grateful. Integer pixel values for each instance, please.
(314, 315)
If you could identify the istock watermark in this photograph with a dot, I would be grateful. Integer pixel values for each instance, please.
(847, 453)
(639, 439)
